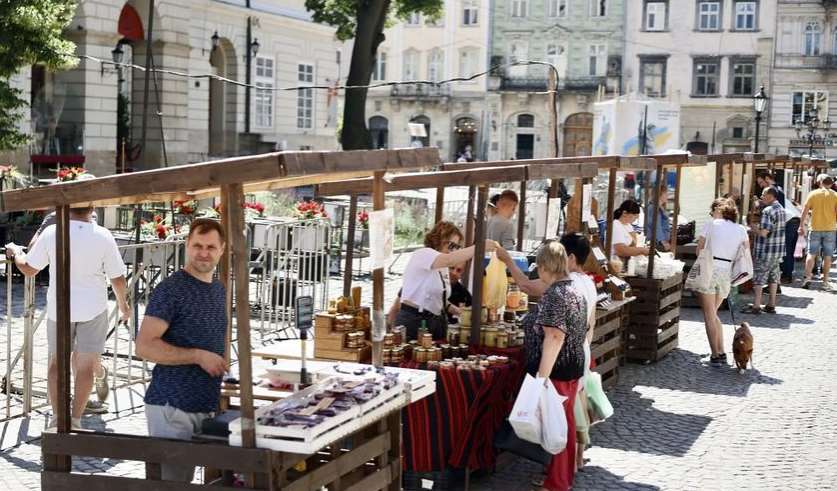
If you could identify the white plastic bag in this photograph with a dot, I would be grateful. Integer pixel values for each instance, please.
(538, 415)
(553, 420)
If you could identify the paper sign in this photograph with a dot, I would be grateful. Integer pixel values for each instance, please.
(587, 189)
(381, 236)
(553, 218)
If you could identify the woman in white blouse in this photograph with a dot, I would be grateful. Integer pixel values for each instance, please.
(426, 287)
(725, 238)
(624, 243)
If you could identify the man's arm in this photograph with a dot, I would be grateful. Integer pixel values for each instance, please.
(151, 347)
(803, 219)
(530, 287)
(15, 253)
(120, 289)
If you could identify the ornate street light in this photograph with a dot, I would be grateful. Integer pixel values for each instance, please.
(759, 105)
(254, 46)
(216, 40)
(117, 54)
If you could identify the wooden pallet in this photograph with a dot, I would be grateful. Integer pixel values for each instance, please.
(606, 347)
(652, 329)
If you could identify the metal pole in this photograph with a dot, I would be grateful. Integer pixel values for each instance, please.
(350, 246)
(611, 199)
(674, 223)
(247, 74)
(653, 249)
(758, 124)
(379, 326)
(148, 65)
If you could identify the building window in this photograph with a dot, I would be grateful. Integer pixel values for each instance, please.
(598, 8)
(468, 62)
(470, 13)
(652, 76)
(709, 16)
(655, 16)
(743, 78)
(745, 16)
(414, 19)
(834, 42)
(812, 39)
(556, 8)
(379, 72)
(525, 121)
(808, 104)
(706, 73)
(737, 132)
(597, 60)
(263, 95)
(519, 8)
(410, 65)
(305, 97)
(435, 65)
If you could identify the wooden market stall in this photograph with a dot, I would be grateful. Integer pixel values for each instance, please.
(372, 460)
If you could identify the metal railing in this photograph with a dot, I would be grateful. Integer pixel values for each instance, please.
(420, 91)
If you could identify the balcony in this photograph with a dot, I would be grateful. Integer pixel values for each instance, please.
(420, 91)
(797, 61)
(534, 84)
(582, 83)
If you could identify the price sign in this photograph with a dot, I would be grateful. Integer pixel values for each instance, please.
(304, 314)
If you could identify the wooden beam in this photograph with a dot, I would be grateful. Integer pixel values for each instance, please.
(521, 216)
(635, 164)
(63, 328)
(350, 246)
(56, 481)
(469, 216)
(603, 161)
(611, 200)
(478, 267)
(225, 276)
(653, 249)
(673, 239)
(546, 171)
(440, 204)
(426, 180)
(241, 258)
(377, 279)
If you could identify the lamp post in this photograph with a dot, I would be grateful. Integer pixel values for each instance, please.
(759, 105)
(811, 127)
(252, 50)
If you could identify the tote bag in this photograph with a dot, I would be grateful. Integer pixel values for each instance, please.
(742, 267)
(700, 275)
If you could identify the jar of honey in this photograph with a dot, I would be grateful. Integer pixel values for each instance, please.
(502, 338)
(426, 340)
(420, 355)
(490, 337)
(513, 296)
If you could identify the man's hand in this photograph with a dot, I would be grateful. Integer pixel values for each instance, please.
(211, 363)
(13, 250)
(124, 311)
(802, 231)
(491, 246)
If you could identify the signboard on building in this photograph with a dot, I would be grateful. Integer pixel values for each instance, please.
(627, 126)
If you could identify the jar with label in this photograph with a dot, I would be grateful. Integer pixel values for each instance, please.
(513, 296)
(490, 337)
(387, 355)
(426, 340)
(453, 335)
(389, 339)
(398, 335)
(420, 355)
(397, 355)
(502, 338)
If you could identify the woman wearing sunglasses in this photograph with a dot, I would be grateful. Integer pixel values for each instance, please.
(426, 287)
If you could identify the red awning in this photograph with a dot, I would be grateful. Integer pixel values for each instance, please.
(130, 24)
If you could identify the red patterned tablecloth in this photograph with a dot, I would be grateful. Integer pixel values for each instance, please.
(455, 426)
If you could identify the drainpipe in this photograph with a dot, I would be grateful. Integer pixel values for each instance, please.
(249, 61)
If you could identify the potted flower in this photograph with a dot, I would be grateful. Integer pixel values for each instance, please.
(254, 210)
(67, 174)
(312, 233)
(362, 230)
(186, 207)
(309, 210)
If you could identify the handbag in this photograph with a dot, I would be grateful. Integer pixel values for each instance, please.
(506, 440)
(596, 398)
(700, 274)
(742, 266)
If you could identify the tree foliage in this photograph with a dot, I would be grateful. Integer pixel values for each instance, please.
(364, 21)
(30, 33)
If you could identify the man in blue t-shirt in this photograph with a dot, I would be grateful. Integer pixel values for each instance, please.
(183, 333)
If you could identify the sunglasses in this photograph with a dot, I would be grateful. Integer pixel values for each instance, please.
(453, 246)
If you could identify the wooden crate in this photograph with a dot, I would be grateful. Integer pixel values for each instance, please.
(652, 329)
(331, 345)
(606, 346)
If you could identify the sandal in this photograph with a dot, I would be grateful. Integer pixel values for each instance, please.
(751, 309)
(770, 309)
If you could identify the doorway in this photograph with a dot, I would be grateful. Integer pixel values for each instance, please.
(465, 133)
(578, 135)
(525, 148)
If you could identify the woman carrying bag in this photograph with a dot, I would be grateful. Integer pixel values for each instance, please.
(719, 245)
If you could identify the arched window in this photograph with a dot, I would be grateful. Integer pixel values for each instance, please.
(813, 37)
(379, 128)
(525, 121)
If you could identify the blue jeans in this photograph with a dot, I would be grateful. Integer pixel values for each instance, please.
(791, 237)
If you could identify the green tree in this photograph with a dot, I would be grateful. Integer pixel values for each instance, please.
(364, 21)
(30, 33)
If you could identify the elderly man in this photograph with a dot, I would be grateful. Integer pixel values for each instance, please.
(183, 333)
(94, 256)
(822, 206)
(769, 251)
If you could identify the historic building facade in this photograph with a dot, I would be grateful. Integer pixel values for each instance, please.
(709, 56)
(93, 114)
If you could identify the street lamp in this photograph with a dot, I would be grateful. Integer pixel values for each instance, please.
(216, 40)
(117, 53)
(254, 46)
(759, 105)
(811, 127)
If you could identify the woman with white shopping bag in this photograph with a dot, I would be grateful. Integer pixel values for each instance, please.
(720, 242)
(554, 345)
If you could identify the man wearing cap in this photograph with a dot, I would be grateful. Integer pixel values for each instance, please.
(822, 205)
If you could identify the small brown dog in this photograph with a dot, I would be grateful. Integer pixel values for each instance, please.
(742, 347)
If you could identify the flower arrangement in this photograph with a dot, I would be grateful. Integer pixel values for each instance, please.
(67, 174)
(186, 207)
(309, 210)
(363, 219)
(157, 228)
(254, 209)
(12, 178)
(598, 280)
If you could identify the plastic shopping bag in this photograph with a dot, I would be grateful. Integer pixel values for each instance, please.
(553, 420)
(525, 415)
(596, 398)
(495, 285)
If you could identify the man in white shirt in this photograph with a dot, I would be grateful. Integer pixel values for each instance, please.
(94, 256)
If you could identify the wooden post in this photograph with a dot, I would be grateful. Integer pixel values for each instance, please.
(63, 463)
(377, 276)
(440, 204)
(718, 175)
(653, 249)
(478, 268)
(226, 278)
(611, 199)
(241, 258)
(521, 216)
(469, 216)
(552, 98)
(731, 172)
(579, 189)
(674, 222)
(350, 246)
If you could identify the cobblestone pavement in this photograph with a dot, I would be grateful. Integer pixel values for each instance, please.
(679, 424)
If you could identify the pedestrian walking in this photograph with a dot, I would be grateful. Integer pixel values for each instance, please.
(183, 333)
(821, 204)
(94, 256)
(769, 252)
(725, 238)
